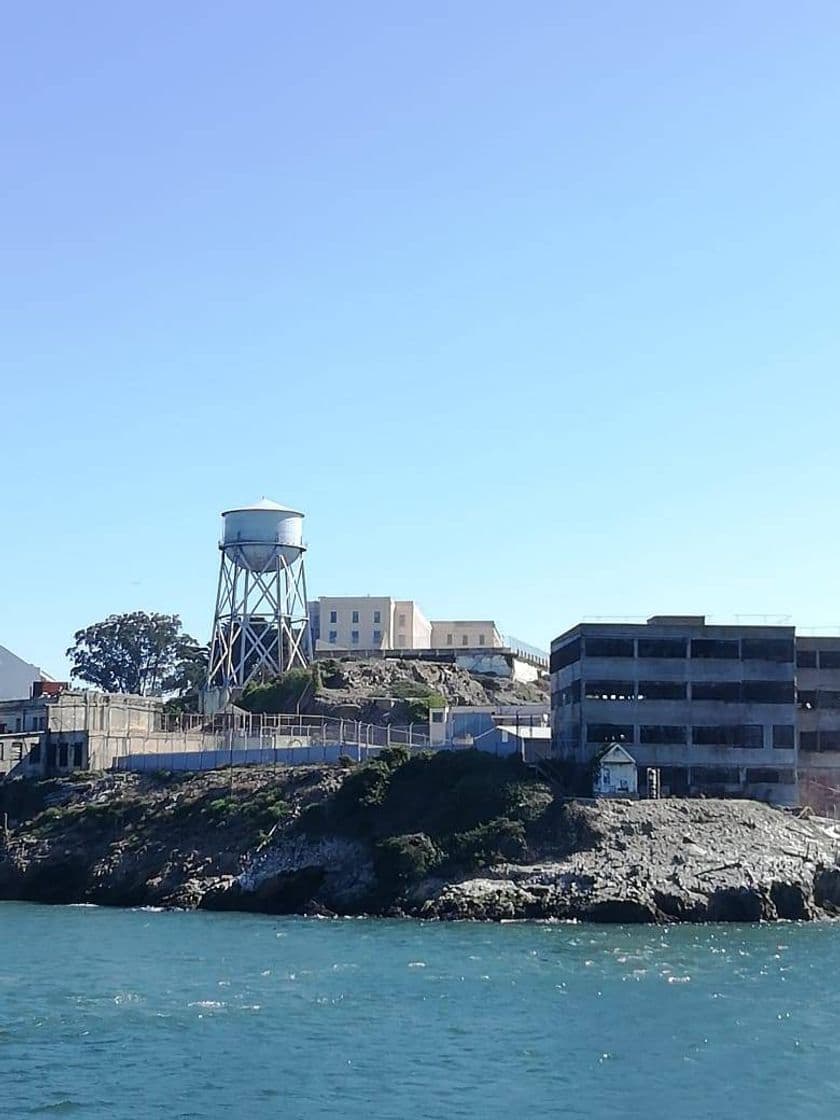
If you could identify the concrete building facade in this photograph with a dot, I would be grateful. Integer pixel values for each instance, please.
(818, 720)
(371, 622)
(368, 622)
(56, 734)
(711, 707)
(461, 633)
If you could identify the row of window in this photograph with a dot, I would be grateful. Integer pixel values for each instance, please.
(33, 723)
(819, 740)
(354, 617)
(780, 650)
(742, 692)
(818, 659)
(817, 698)
(676, 778)
(377, 638)
(354, 637)
(747, 736)
(59, 754)
(377, 618)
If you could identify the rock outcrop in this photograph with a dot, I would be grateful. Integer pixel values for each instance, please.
(666, 861)
(422, 839)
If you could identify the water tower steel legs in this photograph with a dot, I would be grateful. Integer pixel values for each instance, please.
(261, 624)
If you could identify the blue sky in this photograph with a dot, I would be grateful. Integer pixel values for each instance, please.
(531, 308)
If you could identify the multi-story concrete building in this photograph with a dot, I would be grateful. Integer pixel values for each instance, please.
(57, 733)
(711, 707)
(380, 622)
(369, 623)
(464, 633)
(818, 719)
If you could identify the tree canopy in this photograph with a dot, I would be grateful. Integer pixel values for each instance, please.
(141, 653)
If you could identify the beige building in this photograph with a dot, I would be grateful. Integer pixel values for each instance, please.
(466, 634)
(369, 622)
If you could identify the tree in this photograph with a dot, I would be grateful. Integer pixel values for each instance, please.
(141, 653)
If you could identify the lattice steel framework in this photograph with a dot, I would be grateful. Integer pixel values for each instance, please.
(261, 624)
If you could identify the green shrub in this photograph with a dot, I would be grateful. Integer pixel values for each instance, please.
(499, 839)
(400, 861)
(283, 694)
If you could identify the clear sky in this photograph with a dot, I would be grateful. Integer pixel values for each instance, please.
(531, 307)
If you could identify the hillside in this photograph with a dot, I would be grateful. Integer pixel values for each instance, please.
(449, 835)
(387, 691)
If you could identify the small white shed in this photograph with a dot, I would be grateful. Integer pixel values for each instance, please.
(615, 773)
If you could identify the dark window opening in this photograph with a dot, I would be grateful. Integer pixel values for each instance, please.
(62, 754)
(767, 649)
(748, 736)
(609, 733)
(662, 647)
(662, 733)
(609, 690)
(662, 690)
(784, 736)
(829, 741)
(35, 754)
(77, 755)
(719, 648)
(806, 658)
(673, 780)
(763, 775)
(716, 690)
(808, 741)
(828, 699)
(768, 692)
(830, 658)
(716, 775)
(807, 698)
(610, 647)
(565, 655)
(571, 694)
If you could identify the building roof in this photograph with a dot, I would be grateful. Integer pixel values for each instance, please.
(616, 753)
(526, 732)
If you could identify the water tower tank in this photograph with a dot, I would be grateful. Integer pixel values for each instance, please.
(255, 536)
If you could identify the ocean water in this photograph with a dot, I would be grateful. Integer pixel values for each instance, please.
(118, 1014)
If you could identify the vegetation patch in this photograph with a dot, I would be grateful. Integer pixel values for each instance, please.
(285, 694)
(449, 810)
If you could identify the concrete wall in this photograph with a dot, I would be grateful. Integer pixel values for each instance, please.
(498, 664)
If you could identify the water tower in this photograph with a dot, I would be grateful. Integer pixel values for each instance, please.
(261, 624)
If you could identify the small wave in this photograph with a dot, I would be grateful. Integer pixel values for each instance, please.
(58, 1108)
(416, 964)
(126, 997)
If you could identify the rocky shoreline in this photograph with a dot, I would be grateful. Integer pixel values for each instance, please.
(329, 841)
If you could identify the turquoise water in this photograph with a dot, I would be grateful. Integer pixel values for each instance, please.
(118, 1014)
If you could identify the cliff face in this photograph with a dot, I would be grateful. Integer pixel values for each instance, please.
(454, 835)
